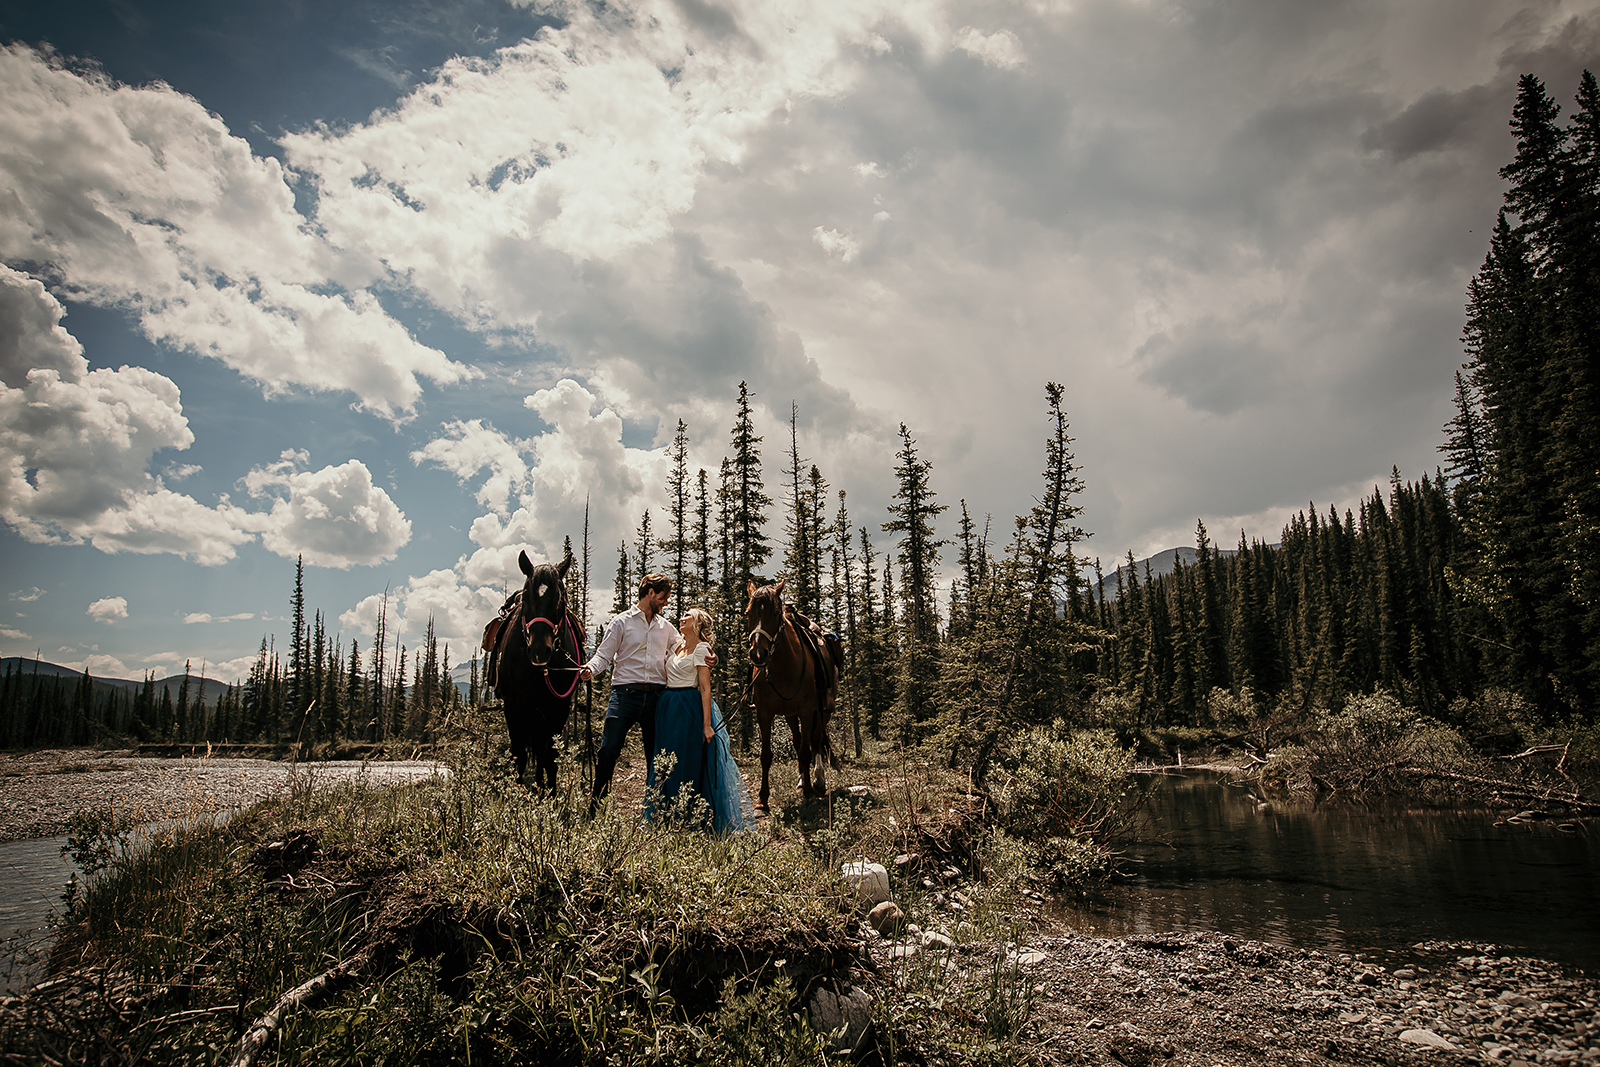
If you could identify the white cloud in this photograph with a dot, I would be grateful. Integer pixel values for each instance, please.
(1000, 49)
(108, 609)
(537, 489)
(13, 635)
(27, 596)
(470, 447)
(203, 617)
(836, 244)
(231, 670)
(335, 517)
(142, 198)
(75, 444)
(101, 666)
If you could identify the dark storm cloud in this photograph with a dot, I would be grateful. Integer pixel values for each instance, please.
(1438, 121)
(1209, 366)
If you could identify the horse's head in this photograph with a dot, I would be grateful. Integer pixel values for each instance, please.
(763, 616)
(544, 607)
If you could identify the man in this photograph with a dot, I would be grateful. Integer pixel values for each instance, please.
(635, 649)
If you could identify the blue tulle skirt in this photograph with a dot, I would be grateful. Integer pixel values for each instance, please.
(703, 787)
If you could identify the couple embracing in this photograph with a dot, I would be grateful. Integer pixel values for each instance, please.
(661, 679)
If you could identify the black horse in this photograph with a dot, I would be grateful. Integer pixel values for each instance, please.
(539, 652)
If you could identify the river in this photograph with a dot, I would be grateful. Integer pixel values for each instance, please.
(1353, 879)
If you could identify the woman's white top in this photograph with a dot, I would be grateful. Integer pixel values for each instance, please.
(683, 669)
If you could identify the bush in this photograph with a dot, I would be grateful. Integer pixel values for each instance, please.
(1067, 795)
(1375, 720)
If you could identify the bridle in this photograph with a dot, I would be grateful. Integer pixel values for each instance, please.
(762, 659)
(557, 628)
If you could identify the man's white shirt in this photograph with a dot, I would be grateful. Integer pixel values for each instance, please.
(635, 650)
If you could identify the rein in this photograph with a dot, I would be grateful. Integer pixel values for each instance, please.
(565, 625)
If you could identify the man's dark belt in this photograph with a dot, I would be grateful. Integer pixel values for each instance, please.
(639, 687)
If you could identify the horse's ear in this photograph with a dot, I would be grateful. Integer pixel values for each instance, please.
(524, 563)
(751, 591)
(779, 587)
(561, 571)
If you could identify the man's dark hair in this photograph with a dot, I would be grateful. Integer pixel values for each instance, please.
(654, 583)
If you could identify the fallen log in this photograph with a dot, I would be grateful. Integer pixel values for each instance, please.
(1573, 800)
(260, 1033)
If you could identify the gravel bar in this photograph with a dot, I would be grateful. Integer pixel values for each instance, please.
(40, 791)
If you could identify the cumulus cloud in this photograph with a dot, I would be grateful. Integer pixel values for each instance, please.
(537, 490)
(334, 517)
(27, 596)
(201, 616)
(836, 244)
(469, 447)
(108, 609)
(76, 444)
(999, 49)
(140, 197)
(101, 666)
(11, 634)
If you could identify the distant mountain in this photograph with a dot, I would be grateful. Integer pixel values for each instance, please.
(1163, 562)
(213, 688)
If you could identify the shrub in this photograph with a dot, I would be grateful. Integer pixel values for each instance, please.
(1067, 795)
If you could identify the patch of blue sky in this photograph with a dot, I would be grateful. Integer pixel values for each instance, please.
(266, 66)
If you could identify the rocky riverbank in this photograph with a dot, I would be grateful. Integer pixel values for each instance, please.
(40, 791)
(1205, 999)
(1189, 1000)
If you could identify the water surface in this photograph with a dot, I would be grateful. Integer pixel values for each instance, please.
(1354, 879)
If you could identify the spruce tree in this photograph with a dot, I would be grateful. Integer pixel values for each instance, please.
(676, 544)
(643, 548)
(797, 559)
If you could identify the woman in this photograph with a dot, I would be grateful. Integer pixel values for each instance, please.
(689, 725)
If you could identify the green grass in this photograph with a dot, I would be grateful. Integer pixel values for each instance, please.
(497, 927)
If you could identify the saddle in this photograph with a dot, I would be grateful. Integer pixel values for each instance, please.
(829, 662)
(491, 638)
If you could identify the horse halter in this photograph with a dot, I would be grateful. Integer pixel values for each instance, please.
(763, 657)
(555, 626)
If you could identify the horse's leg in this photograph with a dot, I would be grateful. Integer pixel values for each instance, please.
(802, 752)
(544, 770)
(819, 756)
(766, 756)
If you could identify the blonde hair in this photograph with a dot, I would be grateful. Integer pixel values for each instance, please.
(703, 626)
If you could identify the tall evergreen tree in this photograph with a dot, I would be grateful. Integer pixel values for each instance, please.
(676, 544)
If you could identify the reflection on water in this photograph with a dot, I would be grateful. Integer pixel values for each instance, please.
(1352, 879)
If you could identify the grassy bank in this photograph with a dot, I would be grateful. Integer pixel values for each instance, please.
(465, 920)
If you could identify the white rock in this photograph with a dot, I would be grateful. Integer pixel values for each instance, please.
(871, 881)
(1425, 1038)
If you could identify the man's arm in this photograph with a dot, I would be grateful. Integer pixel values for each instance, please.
(606, 654)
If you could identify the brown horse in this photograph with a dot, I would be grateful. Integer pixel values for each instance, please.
(788, 678)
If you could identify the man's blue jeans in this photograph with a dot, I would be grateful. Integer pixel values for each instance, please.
(626, 707)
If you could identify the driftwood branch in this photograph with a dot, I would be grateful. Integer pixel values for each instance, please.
(1534, 751)
(260, 1033)
(1574, 800)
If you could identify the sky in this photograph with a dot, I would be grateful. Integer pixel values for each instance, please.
(401, 288)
